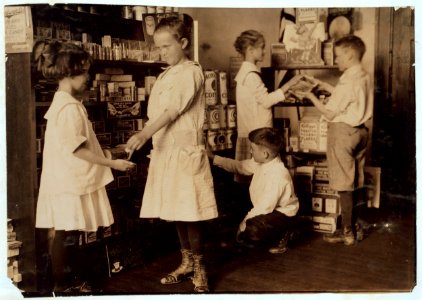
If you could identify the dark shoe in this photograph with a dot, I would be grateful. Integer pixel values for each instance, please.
(282, 245)
(339, 236)
(279, 249)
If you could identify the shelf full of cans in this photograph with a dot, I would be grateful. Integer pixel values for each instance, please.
(121, 49)
(105, 47)
(220, 114)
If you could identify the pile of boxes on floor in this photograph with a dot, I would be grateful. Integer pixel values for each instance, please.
(322, 205)
(220, 116)
(13, 246)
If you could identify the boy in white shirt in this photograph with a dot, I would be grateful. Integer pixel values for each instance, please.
(271, 190)
(349, 107)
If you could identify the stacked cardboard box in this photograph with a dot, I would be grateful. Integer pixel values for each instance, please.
(321, 203)
(13, 254)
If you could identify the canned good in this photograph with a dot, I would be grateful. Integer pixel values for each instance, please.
(223, 115)
(221, 139)
(127, 12)
(168, 9)
(160, 9)
(151, 9)
(138, 11)
(230, 138)
(231, 116)
(214, 117)
(222, 87)
(210, 87)
(212, 139)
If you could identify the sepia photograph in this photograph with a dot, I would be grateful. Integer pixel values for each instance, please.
(157, 148)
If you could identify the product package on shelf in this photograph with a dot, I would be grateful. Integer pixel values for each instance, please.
(312, 134)
(303, 44)
(120, 109)
(283, 125)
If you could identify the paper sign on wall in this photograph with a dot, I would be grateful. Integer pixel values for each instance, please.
(18, 29)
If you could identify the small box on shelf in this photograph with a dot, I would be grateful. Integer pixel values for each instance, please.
(312, 134)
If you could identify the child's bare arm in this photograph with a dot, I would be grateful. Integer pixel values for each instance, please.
(119, 164)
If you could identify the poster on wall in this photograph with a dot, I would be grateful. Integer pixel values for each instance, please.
(18, 29)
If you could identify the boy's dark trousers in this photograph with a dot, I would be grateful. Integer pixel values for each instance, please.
(267, 230)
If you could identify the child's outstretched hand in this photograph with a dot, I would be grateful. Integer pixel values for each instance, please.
(210, 154)
(291, 82)
(321, 84)
(135, 142)
(308, 95)
(123, 165)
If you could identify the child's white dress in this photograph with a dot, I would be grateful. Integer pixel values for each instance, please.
(72, 193)
(179, 185)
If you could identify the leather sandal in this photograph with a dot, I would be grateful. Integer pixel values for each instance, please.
(173, 278)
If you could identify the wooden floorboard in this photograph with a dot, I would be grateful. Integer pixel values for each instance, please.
(384, 261)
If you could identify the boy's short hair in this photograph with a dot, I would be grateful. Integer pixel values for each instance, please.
(268, 137)
(353, 42)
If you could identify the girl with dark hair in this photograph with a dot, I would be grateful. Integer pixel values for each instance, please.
(72, 195)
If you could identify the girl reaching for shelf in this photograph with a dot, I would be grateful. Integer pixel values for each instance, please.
(254, 102)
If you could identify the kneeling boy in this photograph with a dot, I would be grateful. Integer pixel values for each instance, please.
(271, 191)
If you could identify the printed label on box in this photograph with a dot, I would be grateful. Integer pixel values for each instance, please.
(331, 205)
(123, 109)
(317, 204)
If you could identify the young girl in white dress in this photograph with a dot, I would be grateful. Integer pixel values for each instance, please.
(72, 195)
(179, 185)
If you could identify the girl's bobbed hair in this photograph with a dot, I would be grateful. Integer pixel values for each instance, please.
(57, 60)
(248, 38)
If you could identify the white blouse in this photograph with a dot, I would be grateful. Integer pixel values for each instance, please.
(68, 127)
(271, 187)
